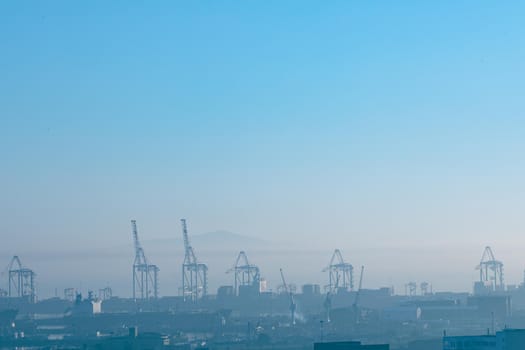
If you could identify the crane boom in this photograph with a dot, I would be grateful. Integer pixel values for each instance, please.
(189, 253)
(140, 257)
(135, 236)
(284, 281)
(185, 234)
(15, 264)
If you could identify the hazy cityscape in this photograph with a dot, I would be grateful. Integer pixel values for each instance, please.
(265, 175)
(250, 312)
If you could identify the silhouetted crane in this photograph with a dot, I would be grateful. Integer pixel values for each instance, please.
(145, 275)
(340, 273)
(293, 306)
(490, 271)
(21, 281)
(194, 274)
(246, 274)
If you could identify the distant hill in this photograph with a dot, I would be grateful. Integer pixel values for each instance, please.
(216, 240)
(225, 237)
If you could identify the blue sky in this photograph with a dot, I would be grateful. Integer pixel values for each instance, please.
(329, 124)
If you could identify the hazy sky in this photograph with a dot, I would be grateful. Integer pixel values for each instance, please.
(391, 127)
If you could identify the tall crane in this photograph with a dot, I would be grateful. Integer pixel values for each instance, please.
(357, 294)
(145, 275)
(246, 274)
(293, 306)
(490, 271)
(21, 281)
(340, 274)
(194, 274)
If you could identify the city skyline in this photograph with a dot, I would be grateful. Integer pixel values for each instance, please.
(380, 130)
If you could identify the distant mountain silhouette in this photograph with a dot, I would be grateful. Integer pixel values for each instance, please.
(216, 240)
(225, 237)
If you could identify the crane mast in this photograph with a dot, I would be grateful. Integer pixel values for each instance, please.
(194, 274)
(293, 306)
(145, 275)
(189, 253)
(140, 258)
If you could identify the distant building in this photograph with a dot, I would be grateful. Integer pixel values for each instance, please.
(498, 306)
(224, 292)
(311, 289)
(402, 313)
(87, 306)
(507, 339)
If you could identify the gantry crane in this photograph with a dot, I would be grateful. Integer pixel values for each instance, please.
(194, 274)
(246, 274)
(145, 275)
(491, 271)
(340, 274)
(21, 281)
